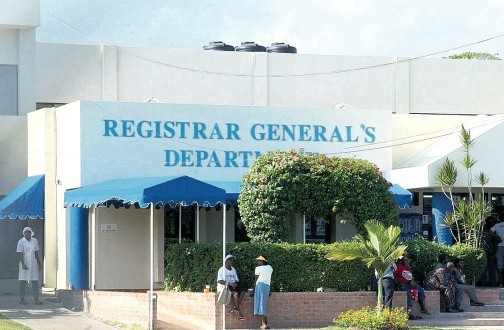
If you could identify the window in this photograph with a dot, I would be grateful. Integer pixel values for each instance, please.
(317, 230)
(240, 230)
(49, 105)
(188, 224)
(8, 90)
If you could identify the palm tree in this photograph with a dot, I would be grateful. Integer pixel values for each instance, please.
(379, 251)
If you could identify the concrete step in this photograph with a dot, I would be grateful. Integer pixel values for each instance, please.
(473, 316)
(490, 316)
(494, 307)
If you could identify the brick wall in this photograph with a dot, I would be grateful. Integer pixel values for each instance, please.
(488, 295)
(287, 310)
(191, 310)
(119, 306)
(194, 310)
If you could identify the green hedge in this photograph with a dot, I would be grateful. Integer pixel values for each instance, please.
(424, 254)
(297, 267)
(300, 267)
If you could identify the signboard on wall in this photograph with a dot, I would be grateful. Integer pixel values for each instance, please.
(218, 143)
(109, 227)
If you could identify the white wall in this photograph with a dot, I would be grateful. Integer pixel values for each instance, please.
(112, 153)
(18, 20)
(63, 172)
(13, 155)
(17, 14)
(185, 76)
(213, 225)
(18, 49)
(413, 133)
(345, 230)
(37, 141)
(123, 257)
(456, 86)
(9, 53)
(68, 73)
(487, 151)
(54, 150)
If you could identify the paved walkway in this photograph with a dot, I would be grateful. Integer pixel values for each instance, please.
(48, 316)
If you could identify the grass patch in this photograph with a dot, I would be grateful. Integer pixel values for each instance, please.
(7, 324)
(120, 325)
(412, 328)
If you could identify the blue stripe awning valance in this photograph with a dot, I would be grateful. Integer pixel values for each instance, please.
(141, 192)
(25, 201)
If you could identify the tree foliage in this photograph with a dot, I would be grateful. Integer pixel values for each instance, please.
(290, 182)
(474, 56)
(297, 267)
(467, 219)
(378, 252)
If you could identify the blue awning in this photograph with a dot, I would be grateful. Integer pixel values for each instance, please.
(25, 201)
(402, 197)
(141, 192)
(232, 189)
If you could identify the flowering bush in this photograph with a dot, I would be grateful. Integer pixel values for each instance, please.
(368, 318)
(291, 182)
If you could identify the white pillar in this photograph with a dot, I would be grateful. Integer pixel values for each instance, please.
(224, 258)
(94, 210)
(197, 224)
(151, 281)
(180, 223)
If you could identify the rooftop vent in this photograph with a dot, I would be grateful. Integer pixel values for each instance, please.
(280, 47)
(250, 46)
(219, 45)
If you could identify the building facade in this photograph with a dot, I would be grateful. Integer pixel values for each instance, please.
(76, 114)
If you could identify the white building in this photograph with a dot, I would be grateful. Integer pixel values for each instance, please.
(74, 114)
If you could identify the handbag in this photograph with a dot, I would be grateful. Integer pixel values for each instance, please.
(414, 294)
(224, 296)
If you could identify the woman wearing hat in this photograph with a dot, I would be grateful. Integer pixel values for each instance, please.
(227, 276)
(29, 264)
(262, 282)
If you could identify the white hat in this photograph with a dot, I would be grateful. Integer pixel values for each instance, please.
(229, 256)
(25, 229)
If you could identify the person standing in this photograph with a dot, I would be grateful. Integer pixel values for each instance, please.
(29, 265)
(227, 276)
(262, 282)
(388, 284)
(498, 229)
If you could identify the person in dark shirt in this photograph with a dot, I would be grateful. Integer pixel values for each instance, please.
(441, 279)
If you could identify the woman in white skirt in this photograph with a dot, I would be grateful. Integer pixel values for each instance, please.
(262, 282)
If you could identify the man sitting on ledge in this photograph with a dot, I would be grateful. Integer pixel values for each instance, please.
(441, 279)
(457, 270)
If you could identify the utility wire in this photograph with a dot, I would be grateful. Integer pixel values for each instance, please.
(418, 138)
(194, 70)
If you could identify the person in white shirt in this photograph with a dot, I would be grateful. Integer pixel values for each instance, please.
(498, 229)
(29, 265)
(262, 282)
(227, 276)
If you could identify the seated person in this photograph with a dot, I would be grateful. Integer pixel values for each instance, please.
(405, 282)
(457, 270)
(227, 276)
(440, 279)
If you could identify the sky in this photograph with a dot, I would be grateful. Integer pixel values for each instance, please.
(401, 28)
